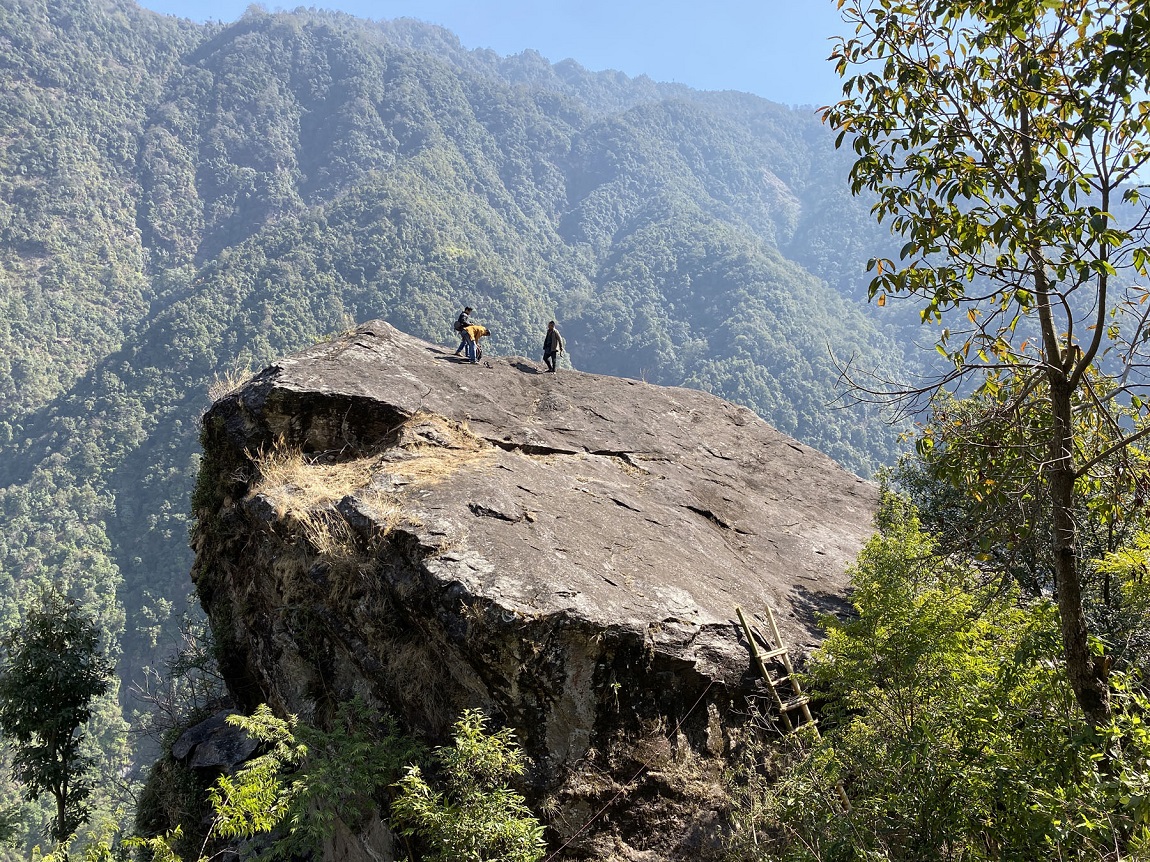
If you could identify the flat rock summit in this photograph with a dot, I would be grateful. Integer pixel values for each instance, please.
(566, 551)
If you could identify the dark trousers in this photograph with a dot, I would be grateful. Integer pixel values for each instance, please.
(549, 359)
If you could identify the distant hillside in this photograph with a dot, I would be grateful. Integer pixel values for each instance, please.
(178, 202)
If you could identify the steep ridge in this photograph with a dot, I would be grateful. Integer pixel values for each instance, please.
(565, 551)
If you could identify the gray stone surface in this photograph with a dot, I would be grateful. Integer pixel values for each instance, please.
(214, 744)
(373, 843)
(564, 550)
(650, 503)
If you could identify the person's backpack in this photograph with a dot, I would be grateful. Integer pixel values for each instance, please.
(459, 326)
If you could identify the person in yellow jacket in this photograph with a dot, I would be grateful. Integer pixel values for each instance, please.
(471, 335)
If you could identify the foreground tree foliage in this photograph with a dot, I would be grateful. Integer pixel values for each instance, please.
(1006, 142)
(951, 729)
(475, 817)
(52, 672)
(977, 479)
(293, 795)
(308, 781)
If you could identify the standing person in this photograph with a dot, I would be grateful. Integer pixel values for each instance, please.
(552, 346)
(471, 336)
(461, 323)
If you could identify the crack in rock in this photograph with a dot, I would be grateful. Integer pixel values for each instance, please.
(488, 512)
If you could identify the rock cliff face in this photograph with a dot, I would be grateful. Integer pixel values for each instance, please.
(566, 551)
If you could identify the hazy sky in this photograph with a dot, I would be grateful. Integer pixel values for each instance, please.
(775, 48)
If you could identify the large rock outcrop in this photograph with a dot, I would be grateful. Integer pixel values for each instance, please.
(563, 550)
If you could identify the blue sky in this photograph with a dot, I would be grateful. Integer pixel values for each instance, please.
(774, 48)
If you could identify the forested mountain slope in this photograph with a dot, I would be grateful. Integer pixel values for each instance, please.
(178, 201)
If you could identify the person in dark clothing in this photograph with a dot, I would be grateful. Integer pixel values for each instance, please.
(461, 324)
(552, 346)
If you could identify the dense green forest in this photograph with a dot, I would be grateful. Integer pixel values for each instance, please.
(180, 203)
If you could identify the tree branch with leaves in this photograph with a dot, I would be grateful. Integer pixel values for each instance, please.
(1007, 142)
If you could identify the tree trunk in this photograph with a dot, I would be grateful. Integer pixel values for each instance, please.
(1087, 673)
(61, 817)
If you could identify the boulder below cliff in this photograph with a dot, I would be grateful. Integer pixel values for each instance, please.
(563, 550)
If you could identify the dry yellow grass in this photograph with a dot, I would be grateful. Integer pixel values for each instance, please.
(302, 490)
(432, 462)
(303, 487)
(295, 483)
(228, 382)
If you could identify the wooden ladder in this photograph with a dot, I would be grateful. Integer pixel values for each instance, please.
(796, 699)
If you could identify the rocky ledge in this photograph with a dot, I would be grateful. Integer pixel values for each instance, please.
(565, 551)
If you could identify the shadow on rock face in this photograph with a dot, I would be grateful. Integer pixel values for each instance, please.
(809, 606)
(525, 367)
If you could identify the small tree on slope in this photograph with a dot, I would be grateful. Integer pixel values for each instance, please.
(52, 670)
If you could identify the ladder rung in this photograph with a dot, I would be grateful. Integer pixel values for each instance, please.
(796, 703)
(774, 653)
